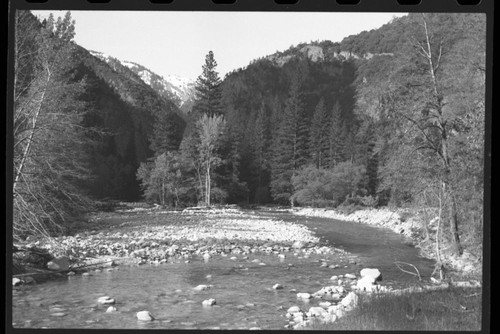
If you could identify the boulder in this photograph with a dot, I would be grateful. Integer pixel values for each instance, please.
(317, 312)
(351, 276)
(366, 283)
(350, 301)
(277, 286)
(144, 316)
(59, 263)
(111, 309)
(293, 309)
(208, 302)
(16, 281)
(369, 272)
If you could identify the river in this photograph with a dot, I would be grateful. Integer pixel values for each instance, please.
(241, 286)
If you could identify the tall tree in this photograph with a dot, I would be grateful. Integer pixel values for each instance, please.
(50, 143)
(289, 145)
(208, 90)
(336, 137)
(319, 141)
(210, 129)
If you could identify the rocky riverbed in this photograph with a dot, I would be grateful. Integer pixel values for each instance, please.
(241, 239)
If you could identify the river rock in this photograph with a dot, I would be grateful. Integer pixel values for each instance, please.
(208, 302)
(293, 309)
(351, 276)
(111, 309)
(59, 263)
(350, 301)
(374, 273)
(105, 300)
(201, 287)
(16, 281)
(304, 295)
(298, 244)
(144, 316)
(277, 286)
(317, 312)
(325, 305)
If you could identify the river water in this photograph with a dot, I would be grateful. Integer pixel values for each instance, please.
(242, 287)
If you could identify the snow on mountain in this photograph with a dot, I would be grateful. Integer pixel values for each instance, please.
(174, 87)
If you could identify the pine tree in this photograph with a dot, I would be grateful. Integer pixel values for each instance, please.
(208, 89)
(336, 137)
(319, 136)
(289, 145)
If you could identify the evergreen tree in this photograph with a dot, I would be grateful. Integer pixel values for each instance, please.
(319, 141)
(290, 145)
(208, 89)
(336, 137)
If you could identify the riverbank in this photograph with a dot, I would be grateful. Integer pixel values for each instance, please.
(411, 226)
(139, 235)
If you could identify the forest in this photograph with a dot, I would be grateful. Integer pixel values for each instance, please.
(389, 117)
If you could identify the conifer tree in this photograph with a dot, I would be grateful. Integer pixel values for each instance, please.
(208, 90)
(319, 136)
(335, 137)
(289, 145)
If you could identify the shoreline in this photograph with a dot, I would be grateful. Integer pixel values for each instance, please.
(411, 228)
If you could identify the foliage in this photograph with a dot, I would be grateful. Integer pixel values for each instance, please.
(50, 144)
(321, 187)
(208, 91)
(162, 179)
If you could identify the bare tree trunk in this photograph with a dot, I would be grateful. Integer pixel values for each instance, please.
(444, 154)
(26, 151)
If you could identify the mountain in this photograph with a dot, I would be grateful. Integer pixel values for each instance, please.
(175, 88)
(131, 114)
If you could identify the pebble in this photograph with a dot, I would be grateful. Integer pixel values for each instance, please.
(304, 295)
(105, 300)
(58, 314)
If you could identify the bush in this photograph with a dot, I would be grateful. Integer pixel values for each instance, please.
(323, 187)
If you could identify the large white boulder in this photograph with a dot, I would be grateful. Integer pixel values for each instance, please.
(317, 312)
(145, 316)
(350, 301)
(369, 272)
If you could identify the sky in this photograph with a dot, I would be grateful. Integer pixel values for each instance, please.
(175, 43)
